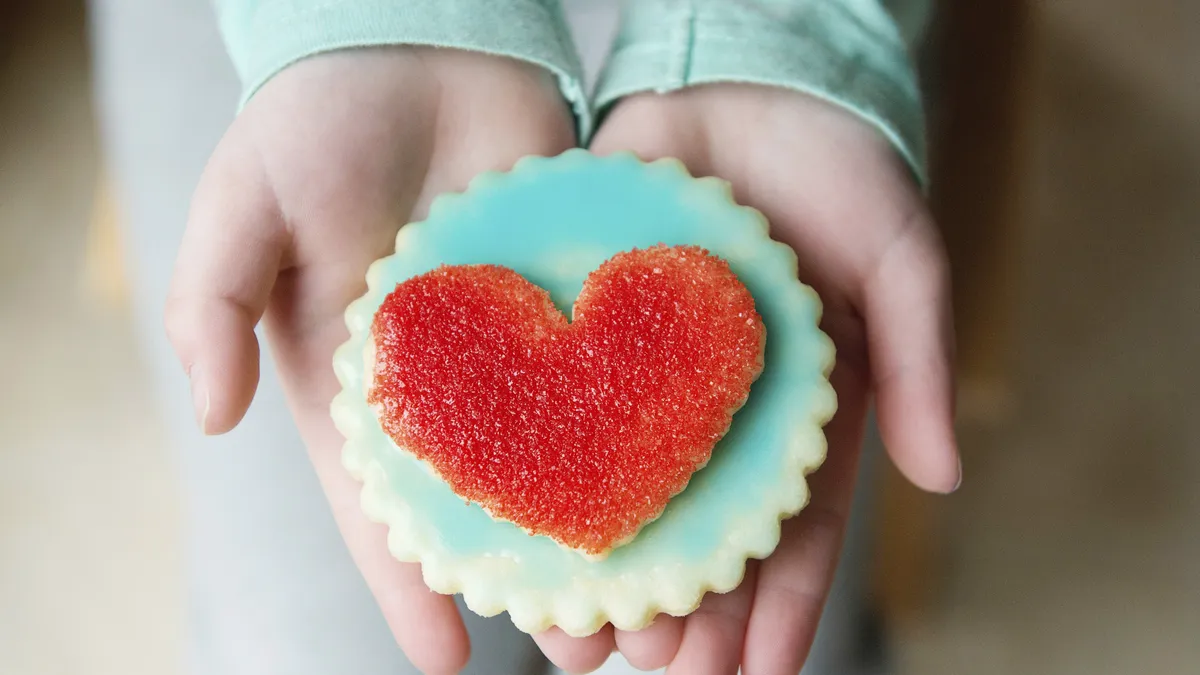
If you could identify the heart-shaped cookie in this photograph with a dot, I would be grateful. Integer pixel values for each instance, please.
(578, 430)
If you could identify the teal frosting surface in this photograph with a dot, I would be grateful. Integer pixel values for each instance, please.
(554, 221)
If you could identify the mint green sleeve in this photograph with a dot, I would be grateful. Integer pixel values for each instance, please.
(265, 36)
(851, 53)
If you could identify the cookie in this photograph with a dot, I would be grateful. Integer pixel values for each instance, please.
(557, 231)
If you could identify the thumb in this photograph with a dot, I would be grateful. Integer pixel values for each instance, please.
(227, 264)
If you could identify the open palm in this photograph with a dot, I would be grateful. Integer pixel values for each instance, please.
(834, 190)
(307, 188)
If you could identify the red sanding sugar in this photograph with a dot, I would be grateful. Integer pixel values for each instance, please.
(577, 430)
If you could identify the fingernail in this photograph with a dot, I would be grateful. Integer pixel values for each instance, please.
(200, 401)
(960, 476)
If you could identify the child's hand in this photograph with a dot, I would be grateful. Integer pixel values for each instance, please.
(834, 190)
(308, 187)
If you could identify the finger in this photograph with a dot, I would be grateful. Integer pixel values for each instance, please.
(910, 338)
(794, 582)
(426, 625)
(654, 646)
(227, 264)
(714, 633)
(576, 655)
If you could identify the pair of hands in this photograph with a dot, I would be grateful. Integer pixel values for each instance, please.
(332, 156)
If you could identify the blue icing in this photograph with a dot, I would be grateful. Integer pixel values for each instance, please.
(556, 220)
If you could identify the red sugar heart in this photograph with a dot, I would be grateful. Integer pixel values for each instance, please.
(581, 430)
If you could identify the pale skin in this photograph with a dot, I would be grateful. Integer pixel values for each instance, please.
(312, 181)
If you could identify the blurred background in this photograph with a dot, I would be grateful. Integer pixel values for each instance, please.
(1067, 151)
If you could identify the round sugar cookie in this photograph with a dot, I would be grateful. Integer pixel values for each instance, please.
(544, 227)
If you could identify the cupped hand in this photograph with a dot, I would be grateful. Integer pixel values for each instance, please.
(309, 186)
(835, 190)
